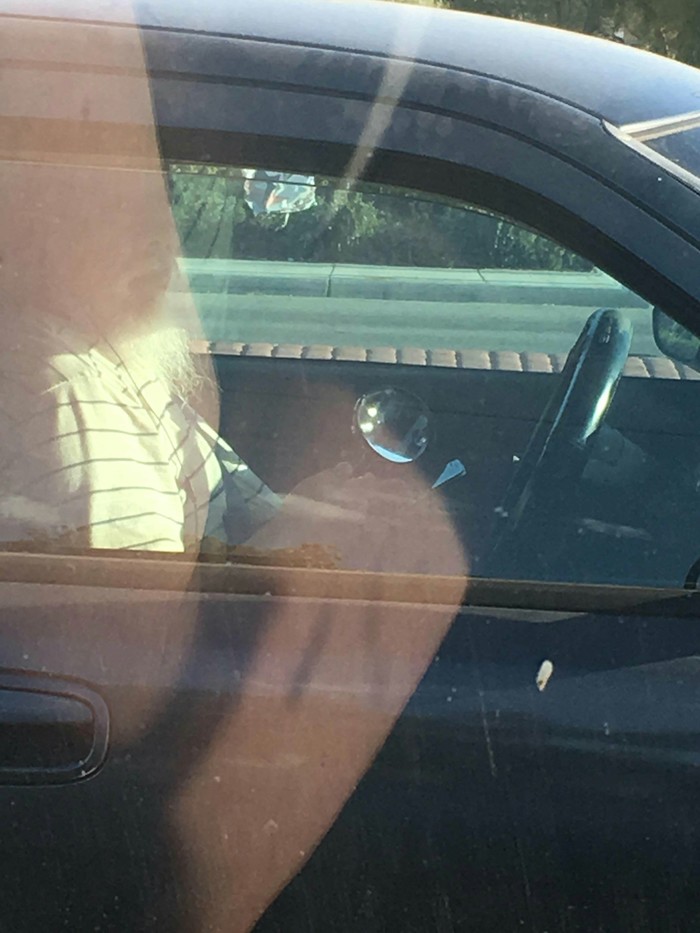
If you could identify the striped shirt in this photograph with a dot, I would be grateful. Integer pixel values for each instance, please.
(92, 457)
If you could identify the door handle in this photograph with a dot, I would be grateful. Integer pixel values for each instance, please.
(52, 730)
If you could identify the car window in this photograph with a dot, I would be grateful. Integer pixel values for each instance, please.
(383, 379)
(377, 274)
(376, 266)
(673, 142)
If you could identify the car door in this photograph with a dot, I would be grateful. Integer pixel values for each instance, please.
(387, 750)
(491, 781)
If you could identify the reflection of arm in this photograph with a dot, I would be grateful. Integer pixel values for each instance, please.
(86, 466)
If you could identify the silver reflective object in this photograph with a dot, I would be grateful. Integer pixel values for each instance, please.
(395, 424)
(452, 470)
(278, 192)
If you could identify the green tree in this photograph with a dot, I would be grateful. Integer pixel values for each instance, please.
(669, 27)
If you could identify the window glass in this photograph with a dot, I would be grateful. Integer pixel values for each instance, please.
(370, 273)
(379, 266)
(676, 139)
(682, 148)
(384, 380)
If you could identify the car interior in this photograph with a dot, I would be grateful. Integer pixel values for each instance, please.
(456, 324)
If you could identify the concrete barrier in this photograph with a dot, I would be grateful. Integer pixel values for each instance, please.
(399, 283)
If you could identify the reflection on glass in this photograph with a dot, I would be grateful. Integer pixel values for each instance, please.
(395, 424)
(674, 339)
(453, 470)
(278, 192)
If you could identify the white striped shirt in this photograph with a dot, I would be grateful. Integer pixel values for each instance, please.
(92, 457)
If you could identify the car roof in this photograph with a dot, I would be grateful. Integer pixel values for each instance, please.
(615, 82)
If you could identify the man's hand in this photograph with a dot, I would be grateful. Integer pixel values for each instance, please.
(396, 525)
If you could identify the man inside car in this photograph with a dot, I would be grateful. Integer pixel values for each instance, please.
(99, 444)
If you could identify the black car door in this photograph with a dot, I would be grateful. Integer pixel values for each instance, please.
(387, 750)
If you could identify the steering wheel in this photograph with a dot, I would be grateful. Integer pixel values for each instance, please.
(557, 451)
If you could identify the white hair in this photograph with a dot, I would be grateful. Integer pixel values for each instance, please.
(162, 352)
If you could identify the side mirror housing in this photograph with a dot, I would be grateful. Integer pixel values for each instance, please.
(676, 341)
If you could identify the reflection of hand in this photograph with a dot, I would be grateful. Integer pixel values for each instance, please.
(397, 525)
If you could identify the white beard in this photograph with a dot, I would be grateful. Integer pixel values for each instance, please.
(164, 354)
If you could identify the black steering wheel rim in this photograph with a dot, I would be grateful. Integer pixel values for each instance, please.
(556, 452)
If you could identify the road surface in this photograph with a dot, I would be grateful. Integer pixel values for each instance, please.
(298, 303)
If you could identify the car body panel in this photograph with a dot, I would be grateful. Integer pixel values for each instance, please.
(607, 79)
(492, 126)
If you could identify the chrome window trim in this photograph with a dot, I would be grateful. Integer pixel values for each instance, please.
(668, 165)
(665, 126)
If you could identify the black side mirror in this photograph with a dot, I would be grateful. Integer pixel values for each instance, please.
(676, 341)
